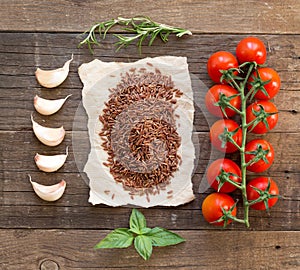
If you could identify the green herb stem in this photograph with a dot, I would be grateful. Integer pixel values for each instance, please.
(141, 27)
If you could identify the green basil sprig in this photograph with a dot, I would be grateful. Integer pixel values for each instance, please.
(144, 238)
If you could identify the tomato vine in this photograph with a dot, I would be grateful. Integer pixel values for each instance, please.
(257, 155)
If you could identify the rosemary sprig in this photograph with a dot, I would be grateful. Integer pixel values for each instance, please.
(141, 26)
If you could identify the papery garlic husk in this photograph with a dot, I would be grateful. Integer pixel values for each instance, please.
(49, 193)
(48, 136)
(53, 78)
(48, 107)
(50, 163)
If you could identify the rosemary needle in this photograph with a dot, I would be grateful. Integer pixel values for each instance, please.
(141, 26)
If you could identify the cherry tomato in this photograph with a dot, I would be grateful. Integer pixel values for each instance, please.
(217, 130)
(260, 146)
(262, 184)
(220, 61)
(271, 88)
(251, 49)
(259, 109)
(224, 91)
(223, 168)
(212, 207)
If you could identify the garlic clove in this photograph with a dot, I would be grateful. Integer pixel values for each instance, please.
(53, 78)
(49, 193)
(50, 163)
(48, 136)
(46, 106)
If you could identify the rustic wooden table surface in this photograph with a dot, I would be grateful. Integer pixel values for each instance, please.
(38, 235)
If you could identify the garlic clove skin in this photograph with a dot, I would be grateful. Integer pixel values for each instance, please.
(55, 77)
(48, 136)
(50, 163)
(49, 193)
(48, 107)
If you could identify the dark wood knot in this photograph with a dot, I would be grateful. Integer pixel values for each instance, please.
(49, 265)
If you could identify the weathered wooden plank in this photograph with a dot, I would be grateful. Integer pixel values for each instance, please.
(15, 113)
(73, 249)
(74, 211)
(199, 16)
(16, 182)
(21, 147)
(21, 53)
(17, 107)
(284, 216)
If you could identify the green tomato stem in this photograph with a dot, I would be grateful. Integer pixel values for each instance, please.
(234, 83)
(230, 139)
(250, 92)
(234, 183)
(233, 108)
(251, 123)
(242, 151)
(238, 220)
(244, 126)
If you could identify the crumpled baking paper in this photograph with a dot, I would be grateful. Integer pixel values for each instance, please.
(98, 77)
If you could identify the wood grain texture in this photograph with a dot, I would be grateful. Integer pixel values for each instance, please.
(38, 235)
(287, 159)
(18, 86)
(199, 16)
(19, 61)
(73, 249)
(73, 210)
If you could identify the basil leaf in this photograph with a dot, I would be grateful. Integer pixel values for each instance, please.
(137, 221)
(143, 246)
(119, 238)
(161, 237)
(145, 230)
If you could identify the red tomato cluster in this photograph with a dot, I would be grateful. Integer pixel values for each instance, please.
(224, 100)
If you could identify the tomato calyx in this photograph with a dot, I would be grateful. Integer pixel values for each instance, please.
(264, 195)
(224, 102)
(230, 75)
(224, 177)
(227, 216)
(227, 136)
(259, 154)
(257, 85)
(261, 116)
(253, 63)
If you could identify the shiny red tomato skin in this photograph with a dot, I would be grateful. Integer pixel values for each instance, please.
(212, 96)
(221, 60)
(272, 87)
(262, 184)
(272, 120)
(228, 166)
(211, 207)
(251, 49)
(259, 166)
(218, 128)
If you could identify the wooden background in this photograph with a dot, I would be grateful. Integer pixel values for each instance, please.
(61, 235)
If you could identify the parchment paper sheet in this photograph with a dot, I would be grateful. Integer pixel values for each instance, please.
(97, 77)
